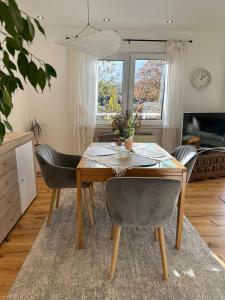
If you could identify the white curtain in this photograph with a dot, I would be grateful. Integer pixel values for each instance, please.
(83, 93)
(173, 105)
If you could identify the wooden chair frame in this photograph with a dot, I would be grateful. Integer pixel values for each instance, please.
(89, 203)
(115, 235)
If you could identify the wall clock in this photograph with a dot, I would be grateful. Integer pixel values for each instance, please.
(201, 78)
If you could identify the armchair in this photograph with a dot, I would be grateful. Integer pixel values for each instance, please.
(59, 171)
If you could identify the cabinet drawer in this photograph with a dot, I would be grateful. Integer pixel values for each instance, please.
(7, 162)
(8, 181)
(8, 199)
(11, 216)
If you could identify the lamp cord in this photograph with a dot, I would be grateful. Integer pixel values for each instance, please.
(88, 11)
(86, 26)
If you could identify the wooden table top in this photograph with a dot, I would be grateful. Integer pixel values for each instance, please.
(171, 164)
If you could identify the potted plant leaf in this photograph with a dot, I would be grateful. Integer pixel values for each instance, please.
(124, 126)
(37, 129)
(17, 32)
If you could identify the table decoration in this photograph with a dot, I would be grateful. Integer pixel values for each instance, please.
(117, 158)
(124, 126)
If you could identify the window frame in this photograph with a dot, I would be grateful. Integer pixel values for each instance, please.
(128, 85)
(125, 84)
(133, 58)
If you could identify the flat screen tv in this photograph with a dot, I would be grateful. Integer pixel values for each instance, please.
(204, 129)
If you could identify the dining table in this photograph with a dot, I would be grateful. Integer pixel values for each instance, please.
(102, 161)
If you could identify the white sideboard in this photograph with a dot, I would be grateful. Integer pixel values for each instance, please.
(26, 174)
(17, 179)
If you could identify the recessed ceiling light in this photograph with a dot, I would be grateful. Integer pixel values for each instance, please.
(106, 19)
(169, 21)
(40, 17)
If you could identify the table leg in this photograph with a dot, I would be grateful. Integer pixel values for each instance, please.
(180, 212)
(79, 213)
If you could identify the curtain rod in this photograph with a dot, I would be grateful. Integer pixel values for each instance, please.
(143, 40)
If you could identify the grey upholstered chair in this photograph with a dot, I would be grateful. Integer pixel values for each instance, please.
(186, 155)
(141, 201)
(106, 137)
(59, 171)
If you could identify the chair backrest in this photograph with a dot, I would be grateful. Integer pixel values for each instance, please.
(186, 155)
(46, 157)
(141, 201)
(47, 153)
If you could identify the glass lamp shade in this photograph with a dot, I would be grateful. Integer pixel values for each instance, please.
(100, 44)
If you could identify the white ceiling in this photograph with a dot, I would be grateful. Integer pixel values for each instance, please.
(188, 15)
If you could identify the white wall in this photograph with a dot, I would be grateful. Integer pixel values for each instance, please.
(207, 51)
(54, 108)
(19, 116)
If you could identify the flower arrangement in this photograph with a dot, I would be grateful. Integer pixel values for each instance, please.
(125, 124)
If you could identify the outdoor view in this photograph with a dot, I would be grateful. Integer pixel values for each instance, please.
(110, 80)
(149, 86)
(148, 93)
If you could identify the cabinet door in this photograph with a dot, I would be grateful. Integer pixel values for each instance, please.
(26, 174)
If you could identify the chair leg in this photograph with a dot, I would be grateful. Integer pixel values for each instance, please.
(92, 188)
(116, 240)
(156, 236)
(91, 195)
(57, 199)
(51, 206)
(112, 233)
(89, 209)
(163, 253)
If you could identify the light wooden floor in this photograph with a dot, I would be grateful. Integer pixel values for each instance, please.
(205, 209)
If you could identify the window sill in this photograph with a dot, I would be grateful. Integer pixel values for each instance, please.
(143, 127)
(106, 124)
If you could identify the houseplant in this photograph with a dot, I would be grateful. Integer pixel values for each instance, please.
(124, 126)
(37, 129)
(17, 31)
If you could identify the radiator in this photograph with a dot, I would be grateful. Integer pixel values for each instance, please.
(144, 138)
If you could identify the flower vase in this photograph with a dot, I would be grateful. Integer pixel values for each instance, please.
(128, 144)
(118, 141)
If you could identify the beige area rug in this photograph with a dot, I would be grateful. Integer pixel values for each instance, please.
(56, 269)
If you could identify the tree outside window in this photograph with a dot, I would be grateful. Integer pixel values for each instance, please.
(147, 91)
(149, 87)
(110, 75)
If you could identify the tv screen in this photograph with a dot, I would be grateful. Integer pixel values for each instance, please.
(204, 129)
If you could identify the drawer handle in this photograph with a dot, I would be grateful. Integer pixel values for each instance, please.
(21, 179)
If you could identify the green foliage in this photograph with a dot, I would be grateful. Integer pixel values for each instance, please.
(37, 129)
(17, 31)
(113, 105)
(107, 90)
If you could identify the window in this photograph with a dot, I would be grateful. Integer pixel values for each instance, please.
(110, 88)
(148, 91)
(134, 82)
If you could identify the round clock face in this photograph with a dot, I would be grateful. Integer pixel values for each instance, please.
(201, 78)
